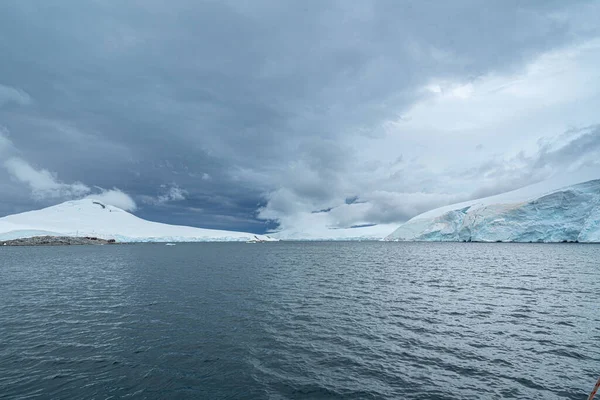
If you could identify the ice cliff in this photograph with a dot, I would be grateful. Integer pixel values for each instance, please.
(568, 214)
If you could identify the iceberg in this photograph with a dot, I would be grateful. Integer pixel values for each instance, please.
(89, 217)
(568, 214)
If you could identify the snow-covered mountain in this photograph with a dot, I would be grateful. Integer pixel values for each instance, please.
(568, 214)
(93, 218)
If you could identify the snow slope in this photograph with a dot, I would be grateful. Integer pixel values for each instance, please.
(317, 233)
(527, 215)
(92, 218)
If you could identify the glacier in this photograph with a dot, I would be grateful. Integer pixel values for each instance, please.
(323, 233)
(568, 214)
(88, 217)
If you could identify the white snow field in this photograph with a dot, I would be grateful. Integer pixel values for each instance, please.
(89, 217)
(318, 233)
(531, 214)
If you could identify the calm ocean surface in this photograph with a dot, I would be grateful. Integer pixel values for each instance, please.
(300, 321)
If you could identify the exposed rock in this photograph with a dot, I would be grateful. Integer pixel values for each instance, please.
(57, 241)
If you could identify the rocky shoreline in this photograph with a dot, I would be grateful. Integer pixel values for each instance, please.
(57, 241)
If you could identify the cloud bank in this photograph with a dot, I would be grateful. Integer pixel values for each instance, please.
(253, 116)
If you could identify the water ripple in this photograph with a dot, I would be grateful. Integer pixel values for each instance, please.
(300, 321)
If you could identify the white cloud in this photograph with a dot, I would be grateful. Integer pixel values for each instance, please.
(43, 183)
(296, 214)
(547, 88)
(115, 197)
(175, 193)
(170, 193)
(10, 95)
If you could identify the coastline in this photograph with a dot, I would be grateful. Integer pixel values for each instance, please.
(57, 241)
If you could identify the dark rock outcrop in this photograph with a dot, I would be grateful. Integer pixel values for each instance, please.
(57, 241)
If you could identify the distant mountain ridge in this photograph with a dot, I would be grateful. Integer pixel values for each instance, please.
(88, 217)
(569, 214)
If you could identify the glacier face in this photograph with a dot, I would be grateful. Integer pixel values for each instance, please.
(92, 218)
(568, 214)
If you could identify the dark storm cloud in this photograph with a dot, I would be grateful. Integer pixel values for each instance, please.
(258, 96)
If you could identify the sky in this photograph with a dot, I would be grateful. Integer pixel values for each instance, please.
(266, 115)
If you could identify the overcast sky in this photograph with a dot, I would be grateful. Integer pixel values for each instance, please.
(254, 115)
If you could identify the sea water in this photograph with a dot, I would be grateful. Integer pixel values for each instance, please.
(282, 320)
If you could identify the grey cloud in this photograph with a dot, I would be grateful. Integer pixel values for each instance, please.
(577, 149)
(584, 147)
(10, 95)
